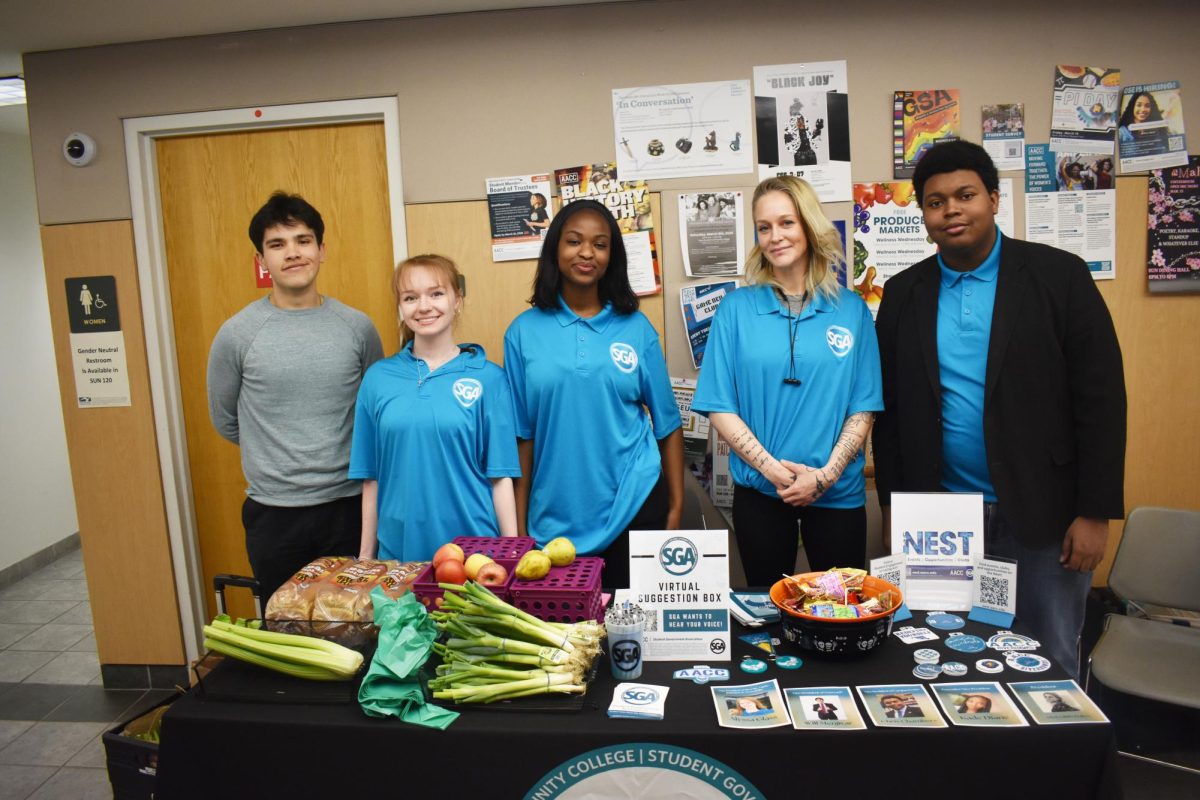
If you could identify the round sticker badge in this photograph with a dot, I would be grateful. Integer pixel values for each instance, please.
(954, 669)
(927, 672)
(944, 622)
(926, 655)
(989, 665)
(1007, 640)
(754, 666)
(1028, 662)
(965, 643)
(788, 662)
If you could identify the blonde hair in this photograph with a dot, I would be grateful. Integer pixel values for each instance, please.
(447, 272)
(824, 244)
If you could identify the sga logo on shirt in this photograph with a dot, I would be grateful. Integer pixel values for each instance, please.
(467, 391)
(839, 339)
(624, 356)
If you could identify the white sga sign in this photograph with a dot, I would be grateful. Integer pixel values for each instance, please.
(941, 536)
(681, 578)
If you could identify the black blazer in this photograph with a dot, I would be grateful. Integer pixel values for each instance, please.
(1054, 392)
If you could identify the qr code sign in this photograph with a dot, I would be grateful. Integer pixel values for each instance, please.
(993, 591)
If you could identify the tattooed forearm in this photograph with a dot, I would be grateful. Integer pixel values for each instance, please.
(743, 442)
(850, 442)
(748, 448)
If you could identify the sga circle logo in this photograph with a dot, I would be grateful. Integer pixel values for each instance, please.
(639, 696)
(839, 339)
(627, 654)
(467, 391)
(624, 356)
(678, 556)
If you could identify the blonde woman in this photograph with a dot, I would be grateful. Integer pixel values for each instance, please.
(434, 432)
(791, 380)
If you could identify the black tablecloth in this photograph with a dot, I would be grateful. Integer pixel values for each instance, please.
(223, 749)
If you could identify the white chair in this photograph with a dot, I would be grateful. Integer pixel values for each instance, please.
(1157, 562)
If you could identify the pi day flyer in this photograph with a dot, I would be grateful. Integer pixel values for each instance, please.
(684, 130)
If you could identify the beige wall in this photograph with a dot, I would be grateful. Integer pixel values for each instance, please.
(505, 93)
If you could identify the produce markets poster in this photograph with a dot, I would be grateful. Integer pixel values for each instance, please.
(889, 236)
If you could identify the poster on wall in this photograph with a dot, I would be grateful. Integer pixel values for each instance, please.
(920, 119)
(97, 343)
(695, 426)
(889, 236)
(699, 305)
(802, 125)
(519, 213)
(681, 131)
(1173, 229)
(1062, 211)
(1004, 134)
(712, 237)
(629, 202)
(1150, 134)
(1084, 115)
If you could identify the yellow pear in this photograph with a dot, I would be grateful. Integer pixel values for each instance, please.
(533, 565)
(561, 551)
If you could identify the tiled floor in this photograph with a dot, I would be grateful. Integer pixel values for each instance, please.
(52, 706)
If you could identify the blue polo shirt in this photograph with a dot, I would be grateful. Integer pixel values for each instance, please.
(434, 441)
(964, 328)
(836, 360)
(581, 389)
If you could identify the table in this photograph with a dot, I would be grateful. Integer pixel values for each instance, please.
(215, 749)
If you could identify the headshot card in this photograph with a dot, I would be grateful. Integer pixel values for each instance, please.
(1056, 702)
(900, 705)
(978, 703)
(827, 708)
(753, 705)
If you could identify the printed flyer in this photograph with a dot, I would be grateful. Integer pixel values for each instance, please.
(900, 705)
(889, 236)
(699, 305)
(1150, 132)
(687, 130)
(980, 704)
(920, 119)
(629, 202)
(695, 426)
(754, 705)
(97, 342)
(941, 537)
(802, 123)
(1084, 116)
(1173, 229)
(712, 237)
(681, 580)
(1056, 702)
(1079, 220)
(824, 708)
(1004, 135)
(519, 213)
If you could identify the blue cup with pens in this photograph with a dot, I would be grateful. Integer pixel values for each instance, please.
(625, 623)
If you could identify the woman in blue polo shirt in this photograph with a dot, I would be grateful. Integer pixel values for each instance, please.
(584, 365)
(434, 436)
(791, 380)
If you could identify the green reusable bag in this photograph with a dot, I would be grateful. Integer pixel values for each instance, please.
(391, 687)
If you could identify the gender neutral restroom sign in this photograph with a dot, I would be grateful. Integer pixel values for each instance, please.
(97, 344)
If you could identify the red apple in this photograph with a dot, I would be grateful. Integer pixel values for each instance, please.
(491, 574)
(447, 552)
(450, 571)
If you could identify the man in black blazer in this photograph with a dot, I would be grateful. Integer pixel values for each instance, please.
(1002, 375)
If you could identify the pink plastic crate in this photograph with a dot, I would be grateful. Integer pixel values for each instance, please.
(426, 588)
(567, 594)
(496, 547)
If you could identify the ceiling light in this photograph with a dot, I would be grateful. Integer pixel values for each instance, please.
(12, 91)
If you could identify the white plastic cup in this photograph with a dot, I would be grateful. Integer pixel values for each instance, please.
(625, 649)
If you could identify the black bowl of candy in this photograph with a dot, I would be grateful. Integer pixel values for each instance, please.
(842, 612)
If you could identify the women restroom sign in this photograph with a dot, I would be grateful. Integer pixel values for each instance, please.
(97, 344)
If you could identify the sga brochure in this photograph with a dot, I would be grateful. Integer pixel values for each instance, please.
(753, 705)
(981, 704)
(900, 705)
(1056, 702)
(824, 708)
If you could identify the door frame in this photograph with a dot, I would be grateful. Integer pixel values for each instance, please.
(154, 290)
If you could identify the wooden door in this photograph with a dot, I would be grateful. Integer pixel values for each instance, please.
(210, 186)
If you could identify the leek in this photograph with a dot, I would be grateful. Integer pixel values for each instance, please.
(298, 656)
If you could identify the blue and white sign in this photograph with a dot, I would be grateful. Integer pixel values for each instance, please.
(701, 674)
(941, 537)
(682, 579)
(638, 701)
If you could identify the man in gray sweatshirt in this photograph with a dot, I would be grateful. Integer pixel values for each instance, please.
(283, 374)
